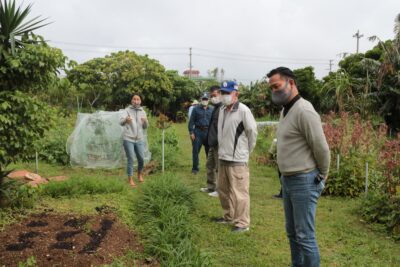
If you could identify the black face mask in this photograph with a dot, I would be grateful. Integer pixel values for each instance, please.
(281, 96)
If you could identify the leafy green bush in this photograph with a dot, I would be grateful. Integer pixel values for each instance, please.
(163, 211)
(23, 120)
(52, 147)
(14, 194)
(356, 142)
(83, 185)
(350, 179)
(378, 207)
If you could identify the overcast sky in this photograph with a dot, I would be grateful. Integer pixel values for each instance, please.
(246, 38)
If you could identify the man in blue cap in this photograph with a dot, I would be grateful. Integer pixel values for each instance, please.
(198, 129)
(237, 135)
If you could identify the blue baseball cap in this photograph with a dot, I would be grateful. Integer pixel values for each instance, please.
(204, 96)
(229, 86)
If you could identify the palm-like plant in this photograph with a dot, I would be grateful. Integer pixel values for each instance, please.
(388, 78)
(340, 86)
(15, 26)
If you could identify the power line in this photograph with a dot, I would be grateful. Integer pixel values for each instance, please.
(118, 47)
(200, 55)
(114, 51)
(259, 60)
(257, 56)
(184, 48)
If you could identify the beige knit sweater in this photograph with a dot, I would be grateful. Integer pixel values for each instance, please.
(302, 145)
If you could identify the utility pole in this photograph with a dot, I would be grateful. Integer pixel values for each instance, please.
(330, 65)
(358, 36)
(190, 62)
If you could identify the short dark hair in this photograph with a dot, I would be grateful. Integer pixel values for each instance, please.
(214, 88)
(283, 71)
(139, 95)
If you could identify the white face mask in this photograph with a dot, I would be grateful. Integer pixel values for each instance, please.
(204, 103)
(215, 100)
(226, 100)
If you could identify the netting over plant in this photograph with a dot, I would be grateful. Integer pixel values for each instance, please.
(96, 141)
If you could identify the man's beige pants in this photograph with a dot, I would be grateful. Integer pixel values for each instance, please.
(233, 189)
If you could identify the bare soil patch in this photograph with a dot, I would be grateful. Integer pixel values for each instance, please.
(68, 240)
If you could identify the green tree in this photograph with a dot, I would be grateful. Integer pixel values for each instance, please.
(108, 82)
(339, 85)
(26, 67)
(257, 96)
(183, 91)
(388, 78)
(308, 85)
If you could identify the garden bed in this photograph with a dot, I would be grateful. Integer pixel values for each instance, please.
(68, 240)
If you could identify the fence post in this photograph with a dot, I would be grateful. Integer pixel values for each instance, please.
(77, 103)
(163, 130)
(366, 178)
(337, 162)
(37, 162)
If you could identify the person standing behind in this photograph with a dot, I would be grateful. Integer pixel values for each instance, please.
(212, 141)
(134, 121)
(192, 106)
(303, 158)
(237, 136)
(198, 128)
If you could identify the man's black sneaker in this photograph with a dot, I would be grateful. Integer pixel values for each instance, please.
(221, 220)
(237, 229)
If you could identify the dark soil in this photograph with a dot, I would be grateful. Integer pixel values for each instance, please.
(67, 240)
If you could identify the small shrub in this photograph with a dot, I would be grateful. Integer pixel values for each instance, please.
(167, 189)
(349, 180)
(356, 142)
(30, 262)
(163, 210)
(52, 148)
(171, 148)
(83, 185)
(14, 194)
(378, 207)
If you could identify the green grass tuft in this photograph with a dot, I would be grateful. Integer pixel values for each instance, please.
(83, 185)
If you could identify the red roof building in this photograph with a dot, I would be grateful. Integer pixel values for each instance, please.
(191, 73)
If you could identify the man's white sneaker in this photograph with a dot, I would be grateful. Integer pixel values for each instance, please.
(213, 194)
(205, 190)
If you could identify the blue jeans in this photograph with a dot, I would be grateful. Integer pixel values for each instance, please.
(201, 139)
(300, 196)
(131, 148)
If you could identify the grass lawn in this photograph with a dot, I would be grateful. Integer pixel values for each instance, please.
(344, 239)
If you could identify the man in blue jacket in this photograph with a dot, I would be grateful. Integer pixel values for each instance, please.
(198, 129)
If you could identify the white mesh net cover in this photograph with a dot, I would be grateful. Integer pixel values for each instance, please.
(96, 141)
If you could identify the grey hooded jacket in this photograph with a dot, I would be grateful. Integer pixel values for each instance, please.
(133, 131)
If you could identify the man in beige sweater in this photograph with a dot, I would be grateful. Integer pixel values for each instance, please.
(303, 158)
